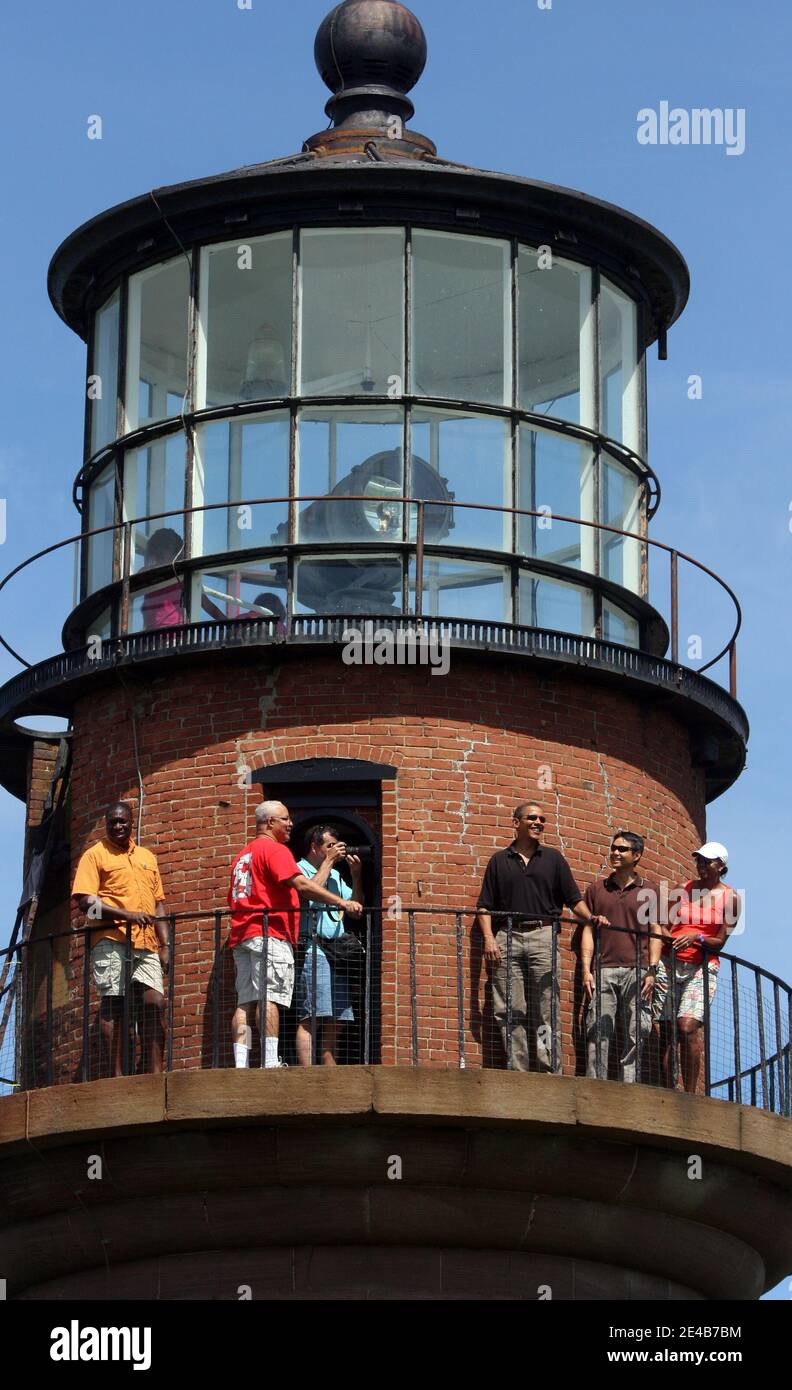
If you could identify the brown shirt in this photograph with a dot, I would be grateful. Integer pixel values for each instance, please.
(623, 907)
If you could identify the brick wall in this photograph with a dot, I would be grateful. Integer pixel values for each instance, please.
(468, 747)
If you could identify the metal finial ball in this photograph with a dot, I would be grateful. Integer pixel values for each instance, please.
(364, 43)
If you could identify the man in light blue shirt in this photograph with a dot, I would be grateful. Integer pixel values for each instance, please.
(323, 991)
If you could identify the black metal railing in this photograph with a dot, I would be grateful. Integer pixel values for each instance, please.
(416, 991)
(417, 513)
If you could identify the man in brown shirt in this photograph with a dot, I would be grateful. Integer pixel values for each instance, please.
(628, 904)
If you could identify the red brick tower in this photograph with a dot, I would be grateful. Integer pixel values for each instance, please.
(364, 385)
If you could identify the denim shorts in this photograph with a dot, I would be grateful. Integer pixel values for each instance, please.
(332, 989)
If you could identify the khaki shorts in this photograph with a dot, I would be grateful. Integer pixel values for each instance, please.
(280, 971)
(107, 958)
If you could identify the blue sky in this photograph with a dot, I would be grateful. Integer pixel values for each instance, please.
(193, 87)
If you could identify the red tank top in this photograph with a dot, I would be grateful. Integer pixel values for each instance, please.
(694, 915)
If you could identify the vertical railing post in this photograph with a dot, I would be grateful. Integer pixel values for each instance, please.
(419, 559)
(674, 607)
(460, 993)
(126, 563)
(638, 1007)
(263, 990)
(127, 1053)
(554, 989)
(779, 1049)
(218, 919)
(86, 987)
(598, 1002)
(313, 947)
(672, 989)
(50, 965)
(707, 1030)
(761, 1031)
(413, 988)
(733, 670)
(789, 1054)
(18, 1000)
(370, 918)
(736, 1031)
(509, 1014)
(171, 991)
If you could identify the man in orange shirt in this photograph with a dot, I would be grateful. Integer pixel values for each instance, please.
(119, 883)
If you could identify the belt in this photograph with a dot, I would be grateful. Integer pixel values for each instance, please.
(528, 924)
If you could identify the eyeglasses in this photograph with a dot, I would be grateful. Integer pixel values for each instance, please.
(541, 820)
(622, 849)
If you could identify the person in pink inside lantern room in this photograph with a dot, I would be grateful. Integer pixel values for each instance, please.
(271, 604)
(164, 606)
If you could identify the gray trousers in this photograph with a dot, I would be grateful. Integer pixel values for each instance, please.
(617, 996)
(530, 997)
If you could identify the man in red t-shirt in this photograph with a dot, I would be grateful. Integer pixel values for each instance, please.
(265, 876)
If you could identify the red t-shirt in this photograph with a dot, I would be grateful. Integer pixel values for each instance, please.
(259, 877)
(694, 915)
(163, 608)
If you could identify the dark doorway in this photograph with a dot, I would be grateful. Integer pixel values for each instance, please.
(352, 806)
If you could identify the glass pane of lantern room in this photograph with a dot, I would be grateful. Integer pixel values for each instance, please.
(104, 370)
(256, 590)
(161, 606)
(349, 584)
(462, 458)
(101, 512)
(352, 312)
(555, 338)
(620, 377)
(555, 606)
(237, 461)
(555, 479)
(619, 627)
(348, 452)
(467, 589)
(245, 335)
(156, 375)
(620, 507)
(154, 487)
(461, 318)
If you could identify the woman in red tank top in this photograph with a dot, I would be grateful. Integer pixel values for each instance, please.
(707, 910)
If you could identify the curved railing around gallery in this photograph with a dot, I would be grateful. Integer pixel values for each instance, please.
(411, 988)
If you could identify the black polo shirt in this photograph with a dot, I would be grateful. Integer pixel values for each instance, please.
(540, 889)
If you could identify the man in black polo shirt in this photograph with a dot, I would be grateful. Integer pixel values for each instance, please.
(533, 883)
(622, 900)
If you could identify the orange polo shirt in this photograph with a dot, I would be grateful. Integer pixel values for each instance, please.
(127, 878)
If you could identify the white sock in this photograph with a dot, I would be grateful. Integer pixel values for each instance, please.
(271, 1054)
(240, 1055)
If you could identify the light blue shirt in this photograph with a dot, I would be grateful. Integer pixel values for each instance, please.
(328, 920)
